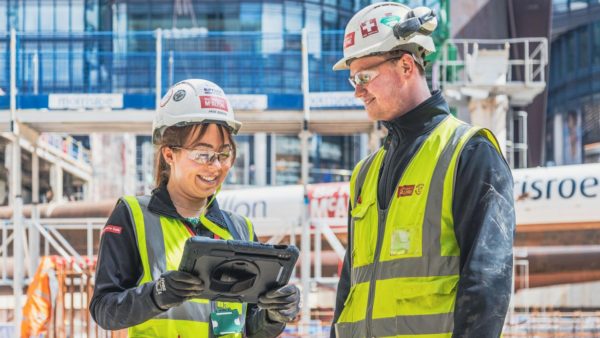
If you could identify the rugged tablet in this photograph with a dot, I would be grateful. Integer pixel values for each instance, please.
(238, 270)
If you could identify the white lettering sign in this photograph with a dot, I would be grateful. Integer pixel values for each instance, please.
(248, 102)
(85, 101)
(334, 99)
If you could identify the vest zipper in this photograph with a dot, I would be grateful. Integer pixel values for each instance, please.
(381, 220)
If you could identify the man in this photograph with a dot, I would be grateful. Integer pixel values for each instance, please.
(432, 220)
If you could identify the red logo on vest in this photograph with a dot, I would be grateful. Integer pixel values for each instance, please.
(369, 27)
(112, 228)
(405, 190)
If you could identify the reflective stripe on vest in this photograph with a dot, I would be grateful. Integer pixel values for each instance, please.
(403, 280)
(160, 243)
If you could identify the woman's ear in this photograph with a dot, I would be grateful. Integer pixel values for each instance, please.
(167, 154)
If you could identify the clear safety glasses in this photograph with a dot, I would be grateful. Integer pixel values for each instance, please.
(208, 156)
(363, 77)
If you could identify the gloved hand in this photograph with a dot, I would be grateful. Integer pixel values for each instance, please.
(282, 304)
(175, 287)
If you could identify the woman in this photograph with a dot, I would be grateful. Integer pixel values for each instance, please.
(137, 282)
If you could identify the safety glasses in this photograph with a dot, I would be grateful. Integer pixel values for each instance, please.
(207, 156)
(365, 76)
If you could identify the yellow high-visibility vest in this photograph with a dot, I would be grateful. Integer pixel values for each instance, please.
(160, 242)
(405, 258)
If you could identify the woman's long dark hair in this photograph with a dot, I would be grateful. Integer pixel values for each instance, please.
(185, 137)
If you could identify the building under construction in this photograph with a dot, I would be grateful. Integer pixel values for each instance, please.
(80, 82)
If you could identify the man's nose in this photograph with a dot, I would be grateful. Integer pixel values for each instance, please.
(359, 91)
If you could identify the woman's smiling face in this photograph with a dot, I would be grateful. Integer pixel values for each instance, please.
(192, 179)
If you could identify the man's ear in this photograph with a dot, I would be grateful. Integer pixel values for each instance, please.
(407, 64)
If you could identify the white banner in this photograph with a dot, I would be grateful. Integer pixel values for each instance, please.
(248, 102)
(334, 99)
(85, 101)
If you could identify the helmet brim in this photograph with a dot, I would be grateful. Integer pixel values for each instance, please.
(341, 65)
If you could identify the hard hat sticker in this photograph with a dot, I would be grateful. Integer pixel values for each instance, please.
(213, 102)
(349, 40)
(369, 27)
(213, 91)
(179, 95)
(390, 20)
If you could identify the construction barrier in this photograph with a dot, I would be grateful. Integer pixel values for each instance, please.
(58, 299)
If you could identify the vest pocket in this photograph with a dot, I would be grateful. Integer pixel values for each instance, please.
(431, 295)
(364, 232)
(355, 305)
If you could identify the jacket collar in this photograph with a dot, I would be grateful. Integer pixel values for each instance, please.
(419, 120)
(161, 203)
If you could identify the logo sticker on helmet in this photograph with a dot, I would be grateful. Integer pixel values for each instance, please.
(390, 20)
(179, 95)
(213, 102)
(369, 27)
(213, 91)
(349, 40)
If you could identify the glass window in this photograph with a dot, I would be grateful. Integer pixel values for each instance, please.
(272, 27)
(3, 19)
(231, 17)
(293, 17)
(584, 57)
(32, 13)
(346, 5)
(77, 17)
(560, 6)
(571, 50)
(554, 63)
(578, 5)
(62, 13)
(596, 42)
(330, 18)
(313, 24)
(250, 16)
(47, 20)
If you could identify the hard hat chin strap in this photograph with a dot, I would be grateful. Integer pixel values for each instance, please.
(413, 25)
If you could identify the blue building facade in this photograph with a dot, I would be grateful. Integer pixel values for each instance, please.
(100, 46)
(573, 119)
(247, 47)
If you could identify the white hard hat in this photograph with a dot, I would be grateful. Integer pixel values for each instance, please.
(386, 26)
(193, 101)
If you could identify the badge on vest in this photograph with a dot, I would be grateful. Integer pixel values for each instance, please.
(400, 244)
(226, 322)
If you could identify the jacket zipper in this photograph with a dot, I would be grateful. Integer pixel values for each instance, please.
(381, 220)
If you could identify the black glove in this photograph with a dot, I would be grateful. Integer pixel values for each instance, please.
(282, 304)
(175, 287)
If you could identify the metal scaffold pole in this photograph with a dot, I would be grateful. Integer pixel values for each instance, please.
(304, 139)
(158, 94)
(15, 189)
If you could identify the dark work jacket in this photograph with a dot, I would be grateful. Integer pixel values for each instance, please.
(484, 219)
(118, 302)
